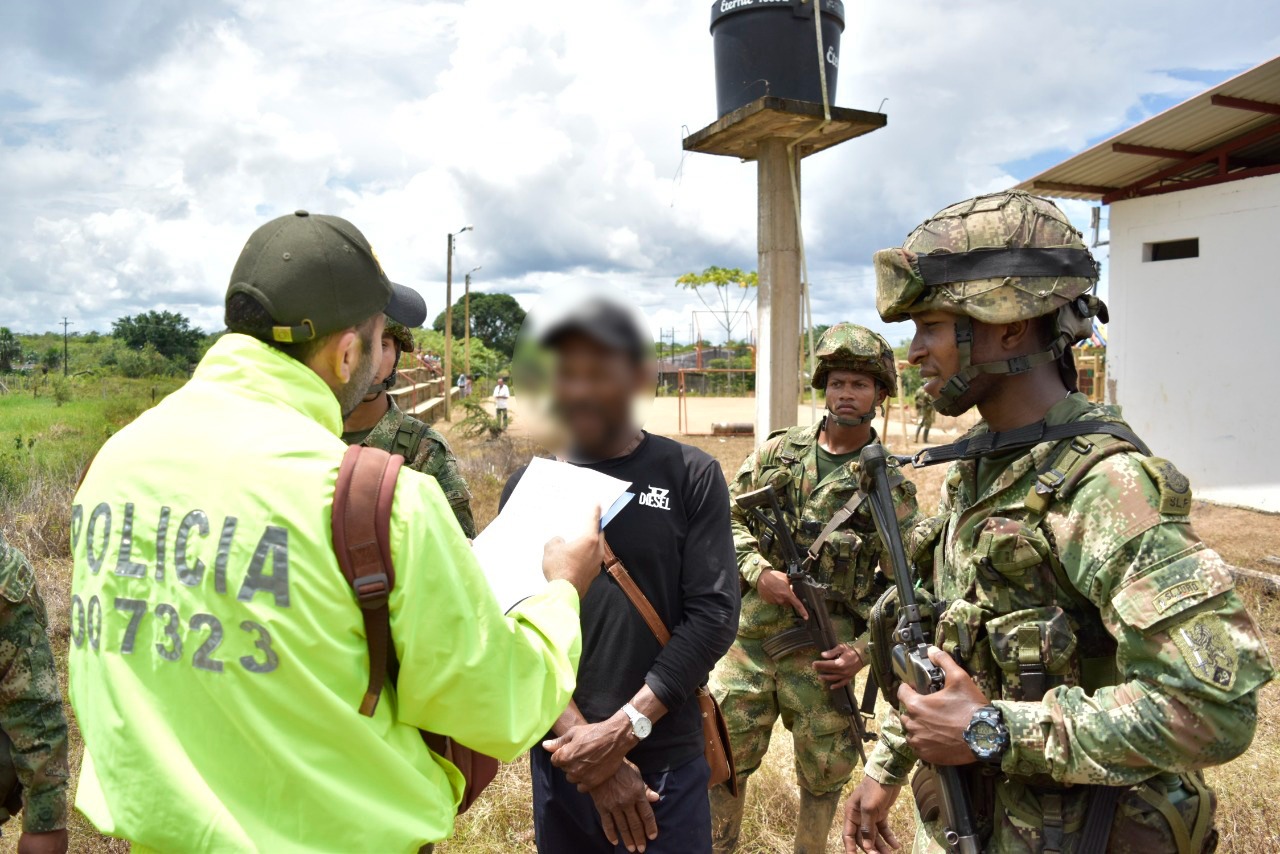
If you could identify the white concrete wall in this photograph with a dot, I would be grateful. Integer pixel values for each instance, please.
(1194, 344)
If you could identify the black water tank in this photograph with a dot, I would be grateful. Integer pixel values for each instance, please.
(769, 47)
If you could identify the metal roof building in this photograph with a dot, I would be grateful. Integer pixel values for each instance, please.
(1194, 196)
(1227, 133)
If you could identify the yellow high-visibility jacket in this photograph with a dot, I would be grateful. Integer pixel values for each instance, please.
(218, 655)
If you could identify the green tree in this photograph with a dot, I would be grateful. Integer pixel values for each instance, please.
(495, 320)
(723, 280)
(51, 359)
(10, 349)
(147, 362)
(171, 334)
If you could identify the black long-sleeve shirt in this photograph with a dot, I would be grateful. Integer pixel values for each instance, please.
(675, 540)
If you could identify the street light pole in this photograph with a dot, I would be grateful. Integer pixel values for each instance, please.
(466, 324)
(448, 327)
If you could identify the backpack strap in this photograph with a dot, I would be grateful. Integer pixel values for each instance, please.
(362, 541)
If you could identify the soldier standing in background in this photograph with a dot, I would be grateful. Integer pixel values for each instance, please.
(33, 729)
(379, 423)
(924, 412)
(816, 469)
(1097, 656)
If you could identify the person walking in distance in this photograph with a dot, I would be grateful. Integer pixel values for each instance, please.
(925, 413)
(501, 400)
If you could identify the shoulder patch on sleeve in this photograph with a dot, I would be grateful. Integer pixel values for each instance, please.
(1206, 647)
(1175, 489)
(16, 574)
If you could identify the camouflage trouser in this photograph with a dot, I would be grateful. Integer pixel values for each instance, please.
(754, 690)
(1141, 825)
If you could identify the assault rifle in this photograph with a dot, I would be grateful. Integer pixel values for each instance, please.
(910, 655)
(816, 631)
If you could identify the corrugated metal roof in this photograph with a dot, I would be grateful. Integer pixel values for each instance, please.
(1195, 125)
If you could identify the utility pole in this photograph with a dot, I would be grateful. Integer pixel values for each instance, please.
(466, 328)
(448, 326)
(65, 351)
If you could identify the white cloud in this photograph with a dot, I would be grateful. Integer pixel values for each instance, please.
(142, 143)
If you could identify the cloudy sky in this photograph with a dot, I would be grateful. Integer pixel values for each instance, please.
(141, 141)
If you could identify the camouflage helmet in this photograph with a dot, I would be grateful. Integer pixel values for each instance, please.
(402, 334)
(848, 347)
(999, 258)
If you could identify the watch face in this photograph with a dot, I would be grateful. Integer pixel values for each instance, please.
(984, 736)
(642, 727)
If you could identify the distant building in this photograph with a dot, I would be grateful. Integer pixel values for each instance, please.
(1194, 197)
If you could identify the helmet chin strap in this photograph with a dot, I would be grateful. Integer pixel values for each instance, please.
(948, 400)
(851, 422)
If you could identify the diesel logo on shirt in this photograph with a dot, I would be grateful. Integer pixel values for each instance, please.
(655, 497)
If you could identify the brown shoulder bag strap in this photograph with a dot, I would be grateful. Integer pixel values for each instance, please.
(361, 539)
(613, 566)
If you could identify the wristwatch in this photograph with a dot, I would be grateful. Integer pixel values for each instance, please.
(640, 725)
(986, 735)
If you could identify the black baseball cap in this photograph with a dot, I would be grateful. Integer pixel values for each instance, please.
(317, 274)
(606, 322)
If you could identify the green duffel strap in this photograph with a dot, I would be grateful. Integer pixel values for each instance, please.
(1159, 801)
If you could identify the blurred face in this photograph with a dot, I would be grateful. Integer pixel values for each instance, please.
(852, 394)
(592, 388)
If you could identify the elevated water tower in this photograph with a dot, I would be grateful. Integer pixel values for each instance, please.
(776, 67)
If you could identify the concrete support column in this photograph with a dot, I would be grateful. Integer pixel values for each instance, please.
(778, 300)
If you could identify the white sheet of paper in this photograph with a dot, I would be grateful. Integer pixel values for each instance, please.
(552, 499)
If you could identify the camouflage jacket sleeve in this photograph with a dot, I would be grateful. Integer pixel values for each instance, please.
(1189, 656)
(747, 548)
(436, 459)
(30, 698)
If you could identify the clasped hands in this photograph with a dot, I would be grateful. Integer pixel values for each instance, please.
(593, 756)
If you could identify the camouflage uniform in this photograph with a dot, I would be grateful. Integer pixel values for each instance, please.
(925, 411)
(1076, 594)
(33, 729)
(424, 450)
(753, 688)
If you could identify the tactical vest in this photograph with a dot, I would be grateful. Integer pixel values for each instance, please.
(852, 546)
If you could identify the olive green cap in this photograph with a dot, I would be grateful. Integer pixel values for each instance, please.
(317, 274)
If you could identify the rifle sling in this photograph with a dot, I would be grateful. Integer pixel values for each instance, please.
(988, 444)
(843, 515)
(1099, 816)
